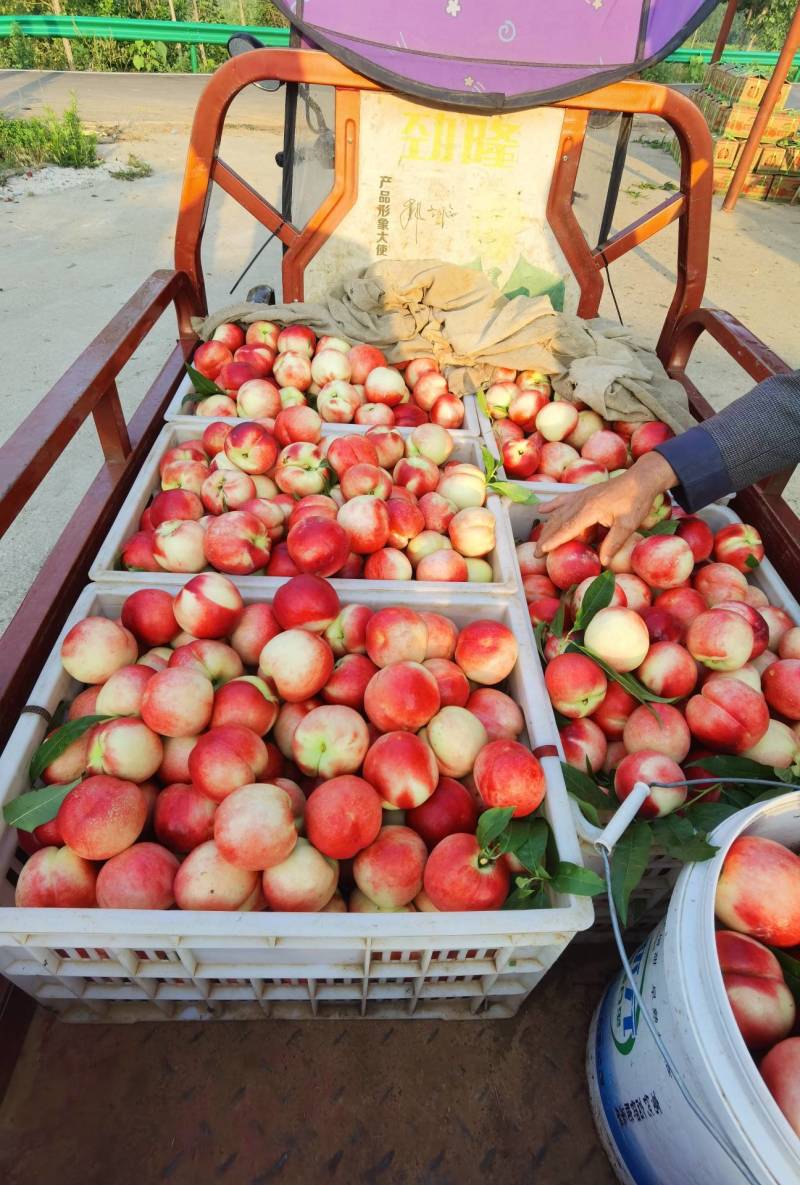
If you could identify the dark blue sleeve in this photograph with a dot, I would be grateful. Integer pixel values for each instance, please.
(697, 462)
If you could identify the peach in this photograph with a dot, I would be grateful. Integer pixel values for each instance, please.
(402, 697)
(402, 768)
(148, 615)
(156, 659)
(456, 737)
(648, 436)
(216, 660)
(261, 333)
(389, 871)
(525, 407)
(754, 619)
(617, 597)
(668, 670)
(575, 684)
(763, 661)
(387, 564)
(428, 389)
(585, 745)
(237, 543)
(346, 634)
(256, 626)
(359, 902)
(497, 712)
(137, 554)
(425, 544)
(557, 420)
(183, 817)
(248, 701)
(762, 1006)
(177, 702)
(755, 596)
(208, 606)
(464, 486)
(781, 683)
(530, 564)
(479, 571)
(450, 809)
(210, 357)
(521, 458)
(318, 545)
(396, 635)
(101, 817)
(684, 604)
(698, 535)
(56, 878)
(758, 891)
(175, 762)
(613, 711)
(720, 640)
(789, 644)
(780, 1069)
(637, 594)
(621, 560)
(739, 545)
(659, 728)
(363, 360)
(179, 546)
(386, 385)
(124, 748)
(406, 521)
(556, 456)
(619, 637)
(778, 747)
(584, 473)
(472, 531)
(507, 774)
(663, 561)
(289, 717)
(720, 582)
(417, 367)
(297, 800)
(727, 715)
(297, 663)
(486, 651)
(453, 684)
(301, 469)
(226, 758)
(778, 623)
(254, 827)
(329, 741)
(448, 411)
(121, 694)
(747, 674)
(348, 682)
(306, 602)
(216, 405)
(256, 399)
(605, 448)
(304, 882)
(457, 877)
(296, 423)
(207, 881)
(498, 397)
(142, 877)
(366, 521)
(572, 563)
(544, 609)
(651, 767)
(443, 565)
(442, 635)
(95, 648)
(343, 816)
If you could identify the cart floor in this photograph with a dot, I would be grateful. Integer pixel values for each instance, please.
(297, 1103)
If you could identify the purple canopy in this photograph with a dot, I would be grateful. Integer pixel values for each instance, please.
(496, 54)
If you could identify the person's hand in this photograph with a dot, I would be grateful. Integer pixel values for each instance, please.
(620, 504)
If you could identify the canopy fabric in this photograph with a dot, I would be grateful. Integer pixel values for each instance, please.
(488, 56)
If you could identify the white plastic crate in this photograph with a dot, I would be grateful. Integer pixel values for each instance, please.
(651, 896)
(178, 413)
(125, 965)
(105, 567)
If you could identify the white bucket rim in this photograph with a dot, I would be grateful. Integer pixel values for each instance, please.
(690, 930)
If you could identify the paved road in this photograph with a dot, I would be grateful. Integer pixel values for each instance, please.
(151, 100)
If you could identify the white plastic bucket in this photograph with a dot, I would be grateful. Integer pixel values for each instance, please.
(647, 1128)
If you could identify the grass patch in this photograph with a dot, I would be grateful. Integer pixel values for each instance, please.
(51, 140)
(639, 188)
(135, 168)
(663, 143)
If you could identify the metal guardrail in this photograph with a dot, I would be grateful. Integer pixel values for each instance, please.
(194, 33)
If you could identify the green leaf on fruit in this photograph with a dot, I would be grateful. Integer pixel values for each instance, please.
(772, 792)
(598, 596)
(528, 842)
(480, 399)
(514, 492)
(584, 788)
(490, 463)
(667, 526)
(752, 562)
(572, 878)
(527, 894)
(557, 624)
(203, 386)
(708, 815)
(589, 812)
(791, 970)
(629, 682)
(59, 741)
(677, 836)
(31, 810)
(628, 864)
(492, 823)
(538, 635)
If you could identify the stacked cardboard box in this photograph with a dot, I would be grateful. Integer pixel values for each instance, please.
(729, 100)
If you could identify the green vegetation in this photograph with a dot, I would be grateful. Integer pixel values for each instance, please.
(134, 170)
(639, 188)
(31, 53)
(51, 140)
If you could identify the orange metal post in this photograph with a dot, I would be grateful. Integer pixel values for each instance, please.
(767, 106)
(724, 31)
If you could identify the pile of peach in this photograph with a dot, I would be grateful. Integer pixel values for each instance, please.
(758, 901)
(685, 622)
(545, 439)
(243, 752)
(258, 372)
(378, 506)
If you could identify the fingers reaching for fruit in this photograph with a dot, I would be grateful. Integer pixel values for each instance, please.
(621, 504)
